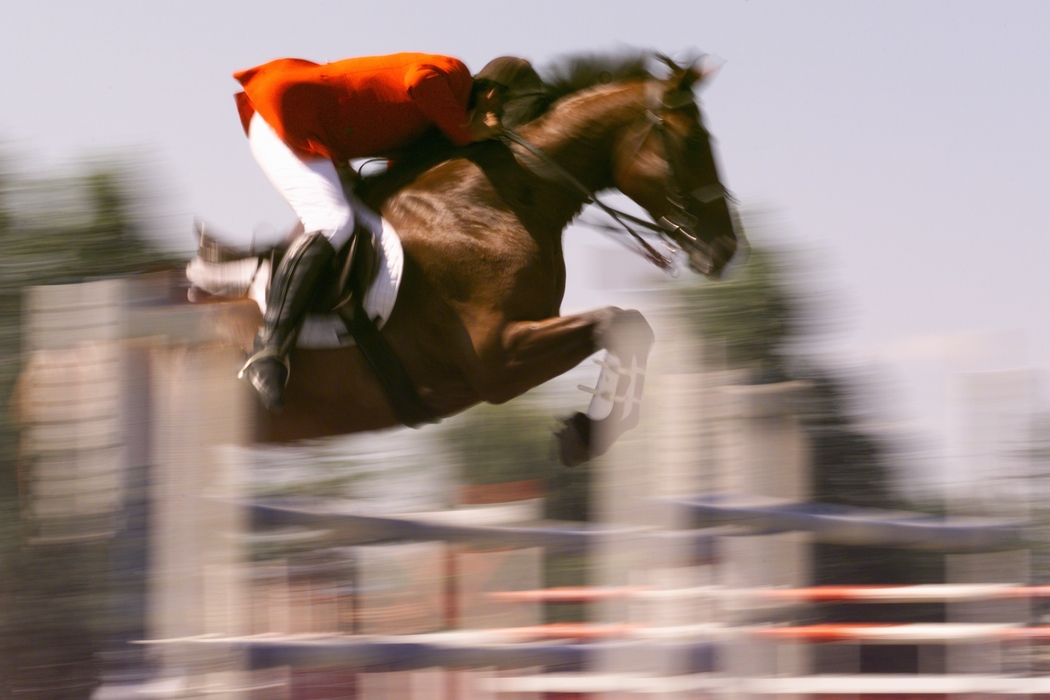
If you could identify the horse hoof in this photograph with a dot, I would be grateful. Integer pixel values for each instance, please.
(574, 440)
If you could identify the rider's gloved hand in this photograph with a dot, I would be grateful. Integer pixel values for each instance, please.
(488, 110)
(485, 125)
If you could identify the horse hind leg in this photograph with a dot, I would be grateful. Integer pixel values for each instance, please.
(616, 400)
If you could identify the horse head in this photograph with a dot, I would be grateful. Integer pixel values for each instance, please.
(665, 162)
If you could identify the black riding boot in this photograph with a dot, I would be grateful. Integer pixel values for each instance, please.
(286, 304)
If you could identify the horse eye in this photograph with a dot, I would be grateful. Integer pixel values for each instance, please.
(695, 139)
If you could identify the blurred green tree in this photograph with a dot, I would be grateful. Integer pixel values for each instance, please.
(513, 443)
(747, 320)
(501, 444)
(56, 229)
(761, 319)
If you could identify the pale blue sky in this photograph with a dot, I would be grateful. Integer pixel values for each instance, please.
(907, 140)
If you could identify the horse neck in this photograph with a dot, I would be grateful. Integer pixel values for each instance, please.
(581, 135)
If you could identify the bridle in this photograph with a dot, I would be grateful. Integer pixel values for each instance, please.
(678, 222)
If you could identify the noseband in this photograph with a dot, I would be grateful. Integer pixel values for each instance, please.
(679, 222)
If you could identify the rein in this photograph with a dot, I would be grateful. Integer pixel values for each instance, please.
(679, 223)
(662, 261)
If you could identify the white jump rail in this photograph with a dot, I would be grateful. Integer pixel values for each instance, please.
(871, 633)
(506, 649)
(349, 527)
(873, 684)
(836, 524)
(924, 593)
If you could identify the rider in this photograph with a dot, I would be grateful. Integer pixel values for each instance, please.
(305, 121)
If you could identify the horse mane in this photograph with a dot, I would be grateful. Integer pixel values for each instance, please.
(571, 74)
(564, 77)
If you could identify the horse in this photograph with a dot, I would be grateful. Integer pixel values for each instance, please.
(477, 315)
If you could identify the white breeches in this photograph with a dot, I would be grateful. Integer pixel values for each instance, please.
(311, 186)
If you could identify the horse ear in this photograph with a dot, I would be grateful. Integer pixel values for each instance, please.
(688, 78)
(706, 69)
(684, 78)
(679, 87)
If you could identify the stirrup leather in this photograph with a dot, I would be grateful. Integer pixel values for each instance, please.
(262, 355)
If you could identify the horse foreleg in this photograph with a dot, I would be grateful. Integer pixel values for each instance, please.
(541, 350)
(616, 400)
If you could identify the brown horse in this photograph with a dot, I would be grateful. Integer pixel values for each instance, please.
(477, 316)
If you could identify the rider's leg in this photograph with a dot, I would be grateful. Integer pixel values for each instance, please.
(313, 189)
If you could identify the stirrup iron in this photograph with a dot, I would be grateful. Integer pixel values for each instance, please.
(262, 355)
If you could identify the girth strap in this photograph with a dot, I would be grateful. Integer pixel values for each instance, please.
(388, 369)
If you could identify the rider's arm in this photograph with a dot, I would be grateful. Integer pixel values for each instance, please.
(432, 91)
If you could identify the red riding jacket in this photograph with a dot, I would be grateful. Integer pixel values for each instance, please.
(359, 107)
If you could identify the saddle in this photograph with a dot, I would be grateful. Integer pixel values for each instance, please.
(342, 291)
(353, 272)
(353, 269)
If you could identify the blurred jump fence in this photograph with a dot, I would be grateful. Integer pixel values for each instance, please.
(702, 596)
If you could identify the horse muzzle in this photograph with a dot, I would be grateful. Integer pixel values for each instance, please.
(707, 254)
(709, 259)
